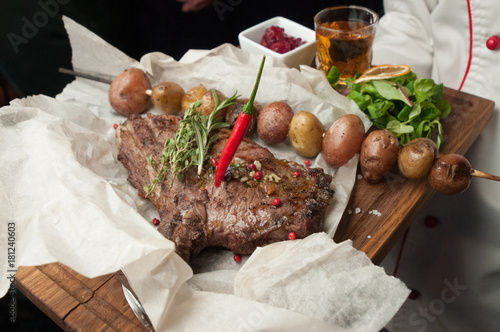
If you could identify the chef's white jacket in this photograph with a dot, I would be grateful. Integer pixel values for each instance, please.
(454, 266)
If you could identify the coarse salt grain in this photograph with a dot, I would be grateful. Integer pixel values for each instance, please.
(357, 210)
(369, 236)
(272, 178)
(349, 211)
(360, 176)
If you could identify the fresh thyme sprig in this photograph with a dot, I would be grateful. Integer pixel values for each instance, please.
(191, 142)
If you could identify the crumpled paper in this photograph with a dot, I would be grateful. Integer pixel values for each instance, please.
(62, 186)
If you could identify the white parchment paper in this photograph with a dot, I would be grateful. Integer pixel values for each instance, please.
(63, 188)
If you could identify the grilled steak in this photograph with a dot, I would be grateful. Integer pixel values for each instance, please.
(238, 215)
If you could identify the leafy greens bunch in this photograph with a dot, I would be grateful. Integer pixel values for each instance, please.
(408, 106)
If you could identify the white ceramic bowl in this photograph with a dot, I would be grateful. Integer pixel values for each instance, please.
(249, 40)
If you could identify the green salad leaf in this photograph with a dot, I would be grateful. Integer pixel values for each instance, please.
(408, 106)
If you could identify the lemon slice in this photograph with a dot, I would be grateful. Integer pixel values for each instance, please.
(383, 72)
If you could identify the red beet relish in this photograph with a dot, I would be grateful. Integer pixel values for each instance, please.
(277, 40)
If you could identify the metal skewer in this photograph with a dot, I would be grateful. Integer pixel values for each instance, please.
(98, 78)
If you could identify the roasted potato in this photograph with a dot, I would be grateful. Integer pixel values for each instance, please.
(167, 97)
(450, 174)
(306, 134)
(274, 122)
(127, 93)
(234, 110)
(379, 155)
(208, 103)
(343, 140)
(192, 95)
(416, 158)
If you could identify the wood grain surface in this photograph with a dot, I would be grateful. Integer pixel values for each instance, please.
(77, 303)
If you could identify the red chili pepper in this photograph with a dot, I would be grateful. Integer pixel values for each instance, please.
(238, 132)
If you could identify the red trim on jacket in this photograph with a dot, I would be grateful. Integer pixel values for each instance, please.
(470, 46)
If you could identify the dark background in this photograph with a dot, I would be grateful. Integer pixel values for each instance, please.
(136, 27)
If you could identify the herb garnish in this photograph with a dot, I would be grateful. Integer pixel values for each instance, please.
(408, 106)
(191, 142)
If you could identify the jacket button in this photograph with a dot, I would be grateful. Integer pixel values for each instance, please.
(492, 43)
(431, 221)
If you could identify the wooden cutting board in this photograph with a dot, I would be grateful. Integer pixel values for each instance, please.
(77, 303)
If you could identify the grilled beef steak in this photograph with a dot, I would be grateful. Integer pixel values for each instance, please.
(238, 215)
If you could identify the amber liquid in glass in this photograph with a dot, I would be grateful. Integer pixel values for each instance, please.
(348, 47)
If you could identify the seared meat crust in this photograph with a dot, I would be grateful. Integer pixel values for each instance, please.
(238, 215)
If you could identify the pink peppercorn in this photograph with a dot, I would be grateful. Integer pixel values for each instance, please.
(115, 126)
(257, 175)
(214, 162)
(291, 236)
(156, 221)
(414, 294)
(431, 221)
(252, 167)
(237, 258)
(307, 162)
(296, 174)
(276, 202)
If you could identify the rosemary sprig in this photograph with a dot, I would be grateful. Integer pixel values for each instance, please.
(191, 142)
(206, 125)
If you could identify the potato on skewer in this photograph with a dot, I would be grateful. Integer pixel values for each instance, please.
(127, 93)
(167, 97)
(452, 173)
